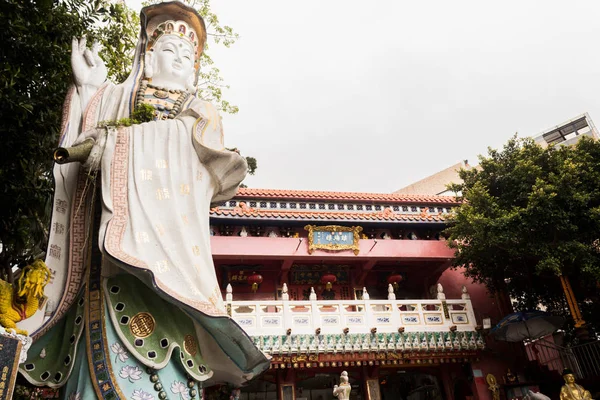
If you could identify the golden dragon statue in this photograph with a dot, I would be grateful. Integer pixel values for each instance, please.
(21, 302)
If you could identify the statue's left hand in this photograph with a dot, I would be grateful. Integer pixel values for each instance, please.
(88, 67)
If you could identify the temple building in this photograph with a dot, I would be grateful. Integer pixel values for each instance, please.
(326, 282)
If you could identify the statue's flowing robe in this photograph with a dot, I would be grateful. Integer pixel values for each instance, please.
(158, 181)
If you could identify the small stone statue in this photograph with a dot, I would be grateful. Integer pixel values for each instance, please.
(535, 396)
(571, 390)
(342, 392)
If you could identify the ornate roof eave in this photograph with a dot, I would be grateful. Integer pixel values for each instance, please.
(432, 344)
(233, 217)
(387, 215)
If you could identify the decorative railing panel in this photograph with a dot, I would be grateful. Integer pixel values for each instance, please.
(357, 316)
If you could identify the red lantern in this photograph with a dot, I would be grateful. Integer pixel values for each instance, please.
(328, 280)
(255, 280)
(394, 280)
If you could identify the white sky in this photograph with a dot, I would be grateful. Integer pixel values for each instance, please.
(351, 95)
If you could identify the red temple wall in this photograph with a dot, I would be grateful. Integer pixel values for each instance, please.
(484, 303)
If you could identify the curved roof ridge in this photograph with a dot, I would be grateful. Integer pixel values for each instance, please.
(331, 195)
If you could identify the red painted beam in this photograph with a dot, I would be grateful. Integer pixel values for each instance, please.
(248, 248)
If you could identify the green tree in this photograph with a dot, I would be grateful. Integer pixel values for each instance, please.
(35, 72)
(528, 216)
(118, 32)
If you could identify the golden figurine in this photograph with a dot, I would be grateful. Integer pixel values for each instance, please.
(571, 390)
(510, 377)
(22, 300)
(493, 386)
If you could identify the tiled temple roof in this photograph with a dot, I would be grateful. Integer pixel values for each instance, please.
(269, 204)
(386, 215)
(308, 195)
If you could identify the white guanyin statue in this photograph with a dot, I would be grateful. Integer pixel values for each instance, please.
(342, 392)
(138, 310)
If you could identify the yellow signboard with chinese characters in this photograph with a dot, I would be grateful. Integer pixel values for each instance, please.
(333, 238)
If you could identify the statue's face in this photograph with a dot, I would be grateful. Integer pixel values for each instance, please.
(569, 378)
(173, 60)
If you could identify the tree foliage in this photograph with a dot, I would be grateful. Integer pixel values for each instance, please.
(118, 31)
(528, 216)
(35, 71)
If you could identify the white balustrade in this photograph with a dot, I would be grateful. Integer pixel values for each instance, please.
(275, 317)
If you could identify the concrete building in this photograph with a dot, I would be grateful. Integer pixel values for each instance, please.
(437, 183)
(568, 133)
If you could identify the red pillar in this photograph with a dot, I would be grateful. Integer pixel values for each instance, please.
(447, 381)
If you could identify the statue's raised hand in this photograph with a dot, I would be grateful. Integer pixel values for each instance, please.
(88, 67)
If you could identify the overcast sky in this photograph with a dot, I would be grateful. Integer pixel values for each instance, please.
(371, 96)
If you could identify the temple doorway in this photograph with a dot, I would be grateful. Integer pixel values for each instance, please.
(411, 384)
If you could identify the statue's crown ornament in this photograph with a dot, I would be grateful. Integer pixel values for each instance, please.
(177, 19)
(176, 28)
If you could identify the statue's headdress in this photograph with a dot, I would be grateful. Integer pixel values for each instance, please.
(567, 371)
(173, 18)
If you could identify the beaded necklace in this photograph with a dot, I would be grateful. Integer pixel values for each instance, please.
(162, 99)
(162, 394)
